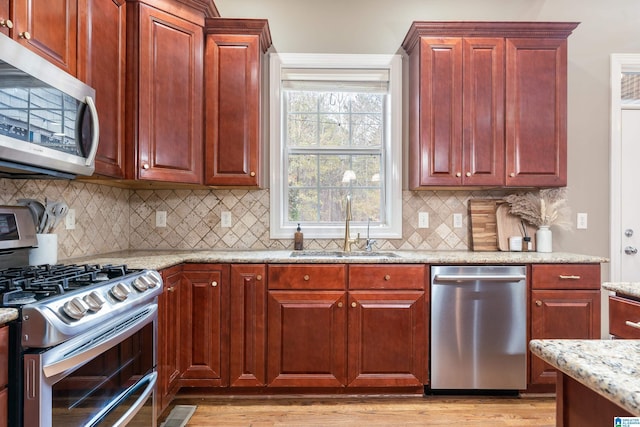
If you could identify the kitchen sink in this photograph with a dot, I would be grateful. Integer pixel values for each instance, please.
(342, 254)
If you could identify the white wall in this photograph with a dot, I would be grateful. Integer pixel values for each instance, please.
(379, 26)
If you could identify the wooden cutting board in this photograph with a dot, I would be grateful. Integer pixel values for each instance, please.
(510, 225)
(484, 235)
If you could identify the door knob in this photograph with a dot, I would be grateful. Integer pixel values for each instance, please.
(630, 250)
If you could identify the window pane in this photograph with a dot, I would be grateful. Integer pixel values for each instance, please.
(332, 169)
(367, 130)
(332, 205)
(302, 130)
(303, 170)
(334, 130)
(365, 203)
(303, 205)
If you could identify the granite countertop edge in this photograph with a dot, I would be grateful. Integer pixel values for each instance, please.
(608, 367)
(625, 288)
(8, 314)
(159, 259)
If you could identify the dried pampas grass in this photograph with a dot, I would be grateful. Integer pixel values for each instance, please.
(547, 207)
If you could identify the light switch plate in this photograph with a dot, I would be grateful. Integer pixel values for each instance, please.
(581, 221)
(423, 219)
(457, 220)
(161, 218)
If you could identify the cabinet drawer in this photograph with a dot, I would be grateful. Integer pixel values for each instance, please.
(622, 310)
(565, 276)
(386, 276)
(307, 276)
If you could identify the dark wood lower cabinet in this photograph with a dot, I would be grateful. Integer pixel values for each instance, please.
(169, 332)
(204, 325)
(306, 339)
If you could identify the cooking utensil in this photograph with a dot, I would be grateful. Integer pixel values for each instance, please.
(37, 211)
(59, 211)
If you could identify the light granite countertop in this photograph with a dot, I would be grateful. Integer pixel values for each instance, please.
(611, 368)
(166, 258)
(626, 288)
(8, 314)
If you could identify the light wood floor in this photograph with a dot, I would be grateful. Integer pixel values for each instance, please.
(371, 411)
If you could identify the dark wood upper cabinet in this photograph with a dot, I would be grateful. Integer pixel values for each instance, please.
(101, 64)
(234, 49)
(5, 20)
(487, 103)
(165, 48)
(48, 28)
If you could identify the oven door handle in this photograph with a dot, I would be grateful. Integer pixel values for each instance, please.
(149, 381)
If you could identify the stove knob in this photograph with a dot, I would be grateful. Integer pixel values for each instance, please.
(75, 308)
(140, 284)
(94, 301)
(153, 279)
(120, 291)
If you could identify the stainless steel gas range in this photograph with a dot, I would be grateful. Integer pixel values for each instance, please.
(83, 350)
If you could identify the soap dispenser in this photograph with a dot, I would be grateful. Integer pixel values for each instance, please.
(298, 239)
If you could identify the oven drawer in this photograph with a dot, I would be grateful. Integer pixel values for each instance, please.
(624, 318)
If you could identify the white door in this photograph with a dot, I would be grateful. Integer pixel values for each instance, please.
(625, 168)
(630, 195)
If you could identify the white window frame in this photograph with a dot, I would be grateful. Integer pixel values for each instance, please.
(392, 227)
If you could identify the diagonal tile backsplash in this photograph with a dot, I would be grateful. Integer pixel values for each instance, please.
(111, 219)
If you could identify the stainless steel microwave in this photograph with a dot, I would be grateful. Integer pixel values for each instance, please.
(48, 120)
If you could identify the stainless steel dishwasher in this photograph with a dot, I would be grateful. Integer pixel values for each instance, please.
(478, 328)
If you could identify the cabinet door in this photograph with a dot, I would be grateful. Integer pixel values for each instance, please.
(5, 19)
(166, 65)
(436, 119)
(483, 111)
(204, 321)
(306, 339)
(536, 112)
(248, 334)
(387, 338)
(48, 28)
(101, 65)
(169, 332)
(562, 314)
(232, 110)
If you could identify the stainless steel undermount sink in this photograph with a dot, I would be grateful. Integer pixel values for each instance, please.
(342, 254)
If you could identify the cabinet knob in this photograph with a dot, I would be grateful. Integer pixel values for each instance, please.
(306, 277)
(252, 173)
(387, 277)
(340, 304)
(354, 305)
(458, 174)
(25, 35)
(171, 289)
(6, 23)
(259, 277)
(145, 166)
(512, 174)
(468, 173)
(539, 303)
(214, 284)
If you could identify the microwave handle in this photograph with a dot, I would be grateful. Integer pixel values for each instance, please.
(96, 130)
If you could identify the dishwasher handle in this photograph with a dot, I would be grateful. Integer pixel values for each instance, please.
(478, 277)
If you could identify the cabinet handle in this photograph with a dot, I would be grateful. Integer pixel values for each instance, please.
(539, 303)
(387, 277)
(171, 289)
(632, 324)
(354, 305)
(145, 166)
(6, 23)
(458, 174)
(252, 173)
(568, 277)
(340, 304)
(306, 277)
(25, 35)
(259, 277)
(468, 174)
(214, 284)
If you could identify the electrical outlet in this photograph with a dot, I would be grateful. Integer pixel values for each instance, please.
(581, 221)
(225, 220)
(70, 220)
(161, 218)
(423, 219)
(457, 220)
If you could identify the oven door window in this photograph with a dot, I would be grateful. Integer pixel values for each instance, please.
(104, 389)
